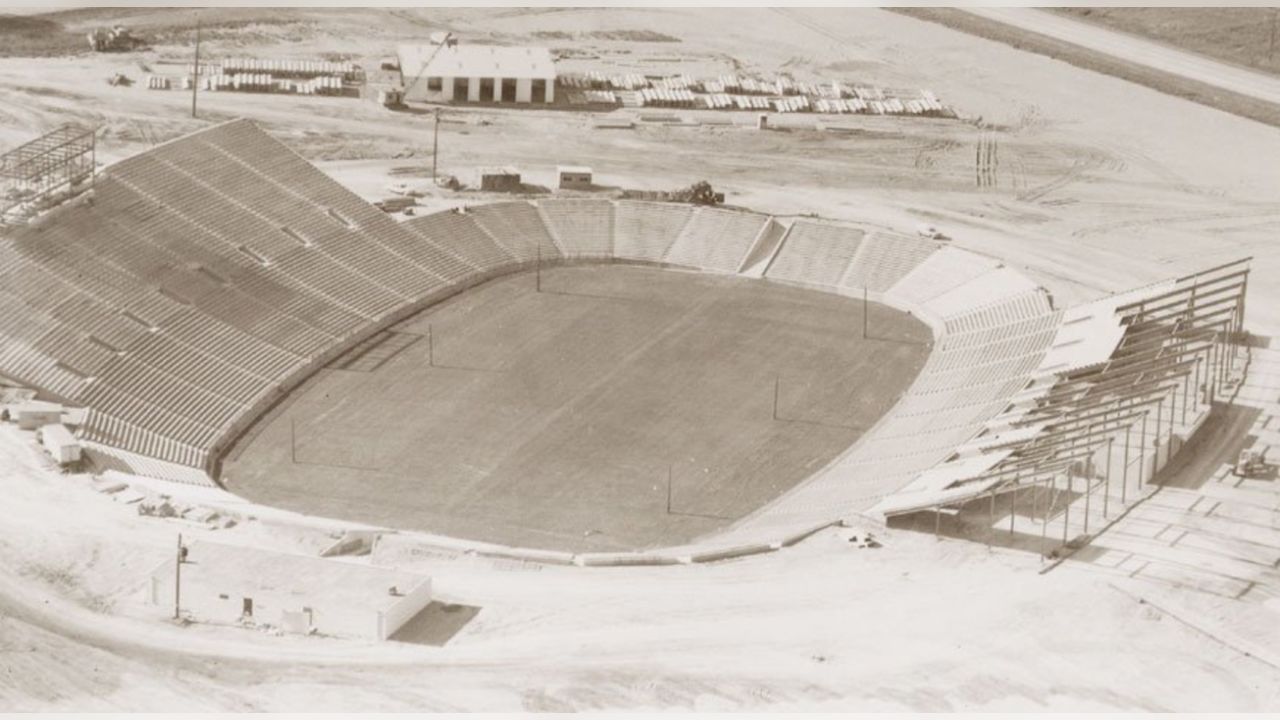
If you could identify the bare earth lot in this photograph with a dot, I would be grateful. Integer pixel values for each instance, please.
(1102, 185)
(549, 419)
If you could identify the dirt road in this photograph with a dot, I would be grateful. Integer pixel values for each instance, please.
(1140, 51)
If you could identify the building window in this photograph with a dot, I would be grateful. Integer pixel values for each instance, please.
(435, 84)
(223, 596)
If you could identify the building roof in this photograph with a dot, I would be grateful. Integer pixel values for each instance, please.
(573, 169)
(57, 435)
(481, 61)
(39, 406)
(237, 569)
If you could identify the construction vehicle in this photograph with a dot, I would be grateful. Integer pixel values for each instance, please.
(699, 193)
(115, 39)
(932, 232)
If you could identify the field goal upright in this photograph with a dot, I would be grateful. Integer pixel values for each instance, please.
(44, 172)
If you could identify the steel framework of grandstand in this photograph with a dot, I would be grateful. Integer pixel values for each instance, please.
(41, 173)
(1175, 355)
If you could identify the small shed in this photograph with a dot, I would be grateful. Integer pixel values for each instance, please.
(574, 177)
(60, 443)
(498, 179)
(233, 585)
(35, 414)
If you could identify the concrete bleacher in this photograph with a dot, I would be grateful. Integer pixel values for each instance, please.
(644, 231)
(716, 240)
(815, 254)
(884, 258)
(944, 270)
(461, 233)
(582, 228)
(196, 284)
(518, 227)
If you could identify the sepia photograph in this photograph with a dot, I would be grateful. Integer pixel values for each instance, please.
(639, 358)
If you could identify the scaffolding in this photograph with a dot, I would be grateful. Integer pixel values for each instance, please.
(44, 172)
(1179, 354)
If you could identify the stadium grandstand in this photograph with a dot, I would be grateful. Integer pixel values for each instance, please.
(207, 277)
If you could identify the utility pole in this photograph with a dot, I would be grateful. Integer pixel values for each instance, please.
(435, 146)
(669, 465)
(431, 348)
(538, 271)
(864, 313)
(177, 579)
(195, 69)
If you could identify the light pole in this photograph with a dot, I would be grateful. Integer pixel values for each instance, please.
(177, 578)
(195, 69)
(435, 146)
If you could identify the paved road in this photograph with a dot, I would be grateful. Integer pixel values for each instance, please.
(1143, 52)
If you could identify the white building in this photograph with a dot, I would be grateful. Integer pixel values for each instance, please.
(477, 73)
(60, 444)
(35, 414)
(232, 585)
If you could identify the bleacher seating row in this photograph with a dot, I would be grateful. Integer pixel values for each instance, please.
(211, 273)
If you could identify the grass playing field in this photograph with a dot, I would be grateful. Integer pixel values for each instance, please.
(549, 419)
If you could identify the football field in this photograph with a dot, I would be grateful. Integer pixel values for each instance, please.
(621, 407)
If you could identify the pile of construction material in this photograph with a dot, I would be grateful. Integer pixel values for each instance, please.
(868, 93)
(841, 106)
(654, 97)
(289, 68)
(796, 103)
(630, 81)
(742, 86)
(751, 102)
(733, 92)
(675, 82)
(592, 97)
(156, 82)
(717, 102)
(204, 70)
(262, 82)
(592, 80)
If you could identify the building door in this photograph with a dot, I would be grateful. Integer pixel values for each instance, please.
(248, 607)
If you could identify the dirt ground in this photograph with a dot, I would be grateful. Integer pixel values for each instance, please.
(549, 419)
(1102, 185)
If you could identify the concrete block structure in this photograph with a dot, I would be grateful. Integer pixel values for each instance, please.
(477, 73)
(574, 177)
(36, 414)
(231, 585)
(60, 444)
(498, 179)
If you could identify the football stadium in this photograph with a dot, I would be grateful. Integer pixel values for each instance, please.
(228, 314)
